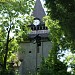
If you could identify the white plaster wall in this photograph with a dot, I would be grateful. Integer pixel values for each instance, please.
(28, 64)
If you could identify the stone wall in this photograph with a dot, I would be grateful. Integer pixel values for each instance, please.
(32, 59)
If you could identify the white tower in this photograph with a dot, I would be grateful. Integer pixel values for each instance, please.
(32, 52)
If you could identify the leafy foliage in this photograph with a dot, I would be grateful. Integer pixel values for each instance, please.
(50, 67)
(13, 24)
(64, 12)
(61, 24)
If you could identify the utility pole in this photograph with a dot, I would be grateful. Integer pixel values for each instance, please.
(38, 43)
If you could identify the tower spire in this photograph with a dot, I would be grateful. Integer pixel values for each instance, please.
(38, 10)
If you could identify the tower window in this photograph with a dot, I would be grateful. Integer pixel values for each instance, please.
(38, 68)
(31, 28)
(42, 27)
(29, 51)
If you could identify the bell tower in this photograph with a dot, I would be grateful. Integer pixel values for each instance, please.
(39, 45)
(38, 26)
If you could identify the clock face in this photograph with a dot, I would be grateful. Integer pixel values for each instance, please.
(36, 22)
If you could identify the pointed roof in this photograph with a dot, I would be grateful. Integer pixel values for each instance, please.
(38, 10)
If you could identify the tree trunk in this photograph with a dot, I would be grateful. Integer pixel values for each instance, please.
(6, 51)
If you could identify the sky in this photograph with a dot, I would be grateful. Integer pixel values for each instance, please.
(43, 2)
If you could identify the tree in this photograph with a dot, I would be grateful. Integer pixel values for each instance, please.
(12, 20)
(60, 21)
(64, 11)
(49, 67)
(52, 65)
